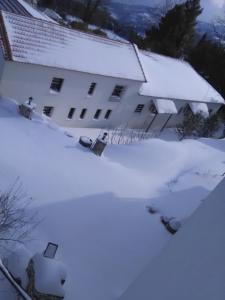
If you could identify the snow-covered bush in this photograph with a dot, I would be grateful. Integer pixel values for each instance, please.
(197, 125)
(16, 221)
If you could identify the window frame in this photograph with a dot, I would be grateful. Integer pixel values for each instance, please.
(69, 116)
(118, 95)
(108, 114)
(97, 114)
(51, 111)
(56, 87)
(139, 108)
(83, 113)
(92, 89)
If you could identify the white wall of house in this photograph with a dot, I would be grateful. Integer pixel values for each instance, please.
(21, 81)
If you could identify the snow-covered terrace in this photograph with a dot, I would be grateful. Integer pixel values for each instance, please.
(171, 78)
(38, 42)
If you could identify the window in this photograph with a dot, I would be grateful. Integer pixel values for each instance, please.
(118, 91)
(56, 84)
(71, 113)
(92, 88)
(108, 114)
(83, 113)
(48, 111)
(97, 114)
(139, 108)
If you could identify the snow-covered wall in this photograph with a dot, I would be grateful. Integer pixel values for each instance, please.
(20, 81)
(192, 265)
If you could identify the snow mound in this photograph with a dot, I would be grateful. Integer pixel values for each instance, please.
(17, 262)
(49, 275)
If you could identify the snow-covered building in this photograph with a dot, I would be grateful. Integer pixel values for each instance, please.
(82, 80)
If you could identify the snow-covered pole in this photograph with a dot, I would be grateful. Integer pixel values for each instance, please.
(19, 290)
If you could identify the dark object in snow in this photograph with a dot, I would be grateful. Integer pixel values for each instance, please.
(50, 250)
(26, 109)
(152, 209)
(171, 224)
(85, 141)
(99, 145)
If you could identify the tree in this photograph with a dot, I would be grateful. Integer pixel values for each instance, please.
(90, 8)
(208, 58)
(16, 222)
(46, 3)
(175, 33)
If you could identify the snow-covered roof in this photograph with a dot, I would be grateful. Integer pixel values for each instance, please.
(200, 108)
(165, 106)
(192, 265)
(175, 79)
(23, 8)
(38, 42)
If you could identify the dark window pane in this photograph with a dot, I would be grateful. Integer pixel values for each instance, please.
(97, 114)
(92, 88)
(48, 110)
(118, 90)
(139, 108)
(83, 113)
(108, 114)
(71, 113)
(56, 84)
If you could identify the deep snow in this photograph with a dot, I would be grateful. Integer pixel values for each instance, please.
(96, 208)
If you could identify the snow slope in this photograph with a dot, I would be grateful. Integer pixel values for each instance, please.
(192, 264)
(95, 208)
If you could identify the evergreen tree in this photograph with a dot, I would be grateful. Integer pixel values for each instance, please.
(176, 32)
(208, 58)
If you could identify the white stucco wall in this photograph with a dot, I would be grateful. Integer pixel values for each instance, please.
(20, 81)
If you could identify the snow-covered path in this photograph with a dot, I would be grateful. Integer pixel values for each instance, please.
(95, 208)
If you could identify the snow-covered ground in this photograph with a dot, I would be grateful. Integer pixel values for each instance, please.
(95, 208)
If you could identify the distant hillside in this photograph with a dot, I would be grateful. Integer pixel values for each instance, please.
(140, 17)
(137, 16)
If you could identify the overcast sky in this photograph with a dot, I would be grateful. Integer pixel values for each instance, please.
(212, 8)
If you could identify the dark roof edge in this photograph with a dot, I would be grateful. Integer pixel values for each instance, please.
(136, 50)
(4, 38)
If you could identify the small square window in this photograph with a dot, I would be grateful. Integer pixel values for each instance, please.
(139, 108)
(48, 111)
(108, 114)
(92, 88)
(118, 91)
(71, 113)
(97, 114)
(83, 113)
(56, 84)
